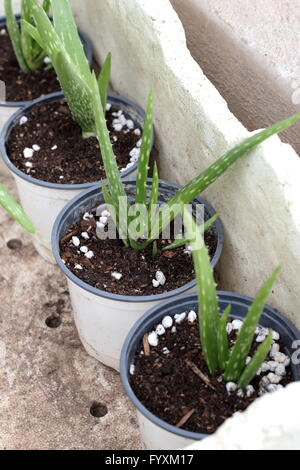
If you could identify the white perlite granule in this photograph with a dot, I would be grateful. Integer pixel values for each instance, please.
(167, 322)
(116, 276)
(75, 241)
(153, 339)
(28, 153)
(192, 316)
(23, 120)
(87, 216)
(231, 387)
(160, 330)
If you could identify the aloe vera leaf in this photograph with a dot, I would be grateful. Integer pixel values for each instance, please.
(239, 353)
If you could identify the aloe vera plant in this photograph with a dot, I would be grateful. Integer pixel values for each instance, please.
(30, 55)
(155, 221)
(61, 42)
(14, 209)
(212, 326)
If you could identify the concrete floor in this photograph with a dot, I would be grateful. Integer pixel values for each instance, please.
(48, 383)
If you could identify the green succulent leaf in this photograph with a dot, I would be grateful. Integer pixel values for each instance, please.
(208, 301)
(46, 6)
(77, 92)
(115, 185)
(14, 209)
(154, 249)
(32, 30)
(236, 363)
(143, 162)
(152, 209)
(66, 29)
(103, 81)
(32, 51)
(63, 46)
(223, 348)
(155, 186)
(257, 360)
(15, 35)
(209, 176)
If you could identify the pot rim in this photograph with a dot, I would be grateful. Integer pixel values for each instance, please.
(9, 124)
(87, 49)
(78, 200)
(147, 321)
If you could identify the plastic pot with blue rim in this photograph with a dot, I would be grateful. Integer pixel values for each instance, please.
(8, 108)
(104, 319)
(156, 433)
(41, 200)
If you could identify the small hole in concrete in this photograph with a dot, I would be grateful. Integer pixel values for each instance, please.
(53, 321)
(14, 244)
(98, 410)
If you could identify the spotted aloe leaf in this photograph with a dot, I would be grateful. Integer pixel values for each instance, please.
(63, 46)
(239, 353)
(28, 51)
(116, 188)
(206, 287)
(257, 360)
(103, 80)
(66, 29)
(223, 348)
(77, 92)
(141, 179)
(14, 209)
(143, 162)
(32, 51)
(184, 241)
(152, 208)
(197, 185)
(15, 35)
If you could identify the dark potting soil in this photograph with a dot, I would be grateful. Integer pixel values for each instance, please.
(22, 86)
(64, 156)
(138, 268)
(167, 385)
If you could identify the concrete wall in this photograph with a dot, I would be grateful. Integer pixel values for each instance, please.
(258, 199)
(249, 51)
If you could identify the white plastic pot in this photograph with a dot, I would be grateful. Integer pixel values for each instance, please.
(156, 433)
(42, 201)
(6, 112)
(103, 319)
